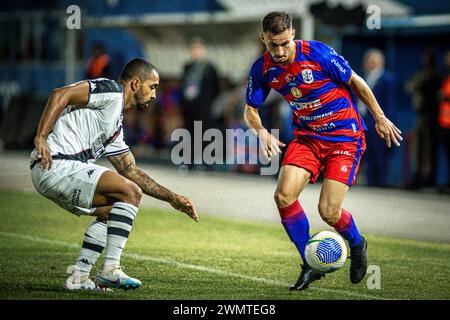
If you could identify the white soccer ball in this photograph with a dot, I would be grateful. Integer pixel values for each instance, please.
(326, 251)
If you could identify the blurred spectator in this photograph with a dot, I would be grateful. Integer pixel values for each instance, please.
(444, 119)
(382, 82)
(199, 88)
(239, 148)
(226, 89)
(139, 130)
(99, 65)
(8, 89)
(234, 106)
(168, 116)
(150, 132)
(424, 88)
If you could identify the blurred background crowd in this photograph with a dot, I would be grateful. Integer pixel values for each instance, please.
(204, 49)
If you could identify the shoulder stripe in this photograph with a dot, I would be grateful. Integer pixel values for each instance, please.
(267, 62)
(102, 85)
(305, 47)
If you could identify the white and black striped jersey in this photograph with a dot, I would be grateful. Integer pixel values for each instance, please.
(85, 133)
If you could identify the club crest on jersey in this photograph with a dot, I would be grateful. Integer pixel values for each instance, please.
(307, 76)
(296, 92)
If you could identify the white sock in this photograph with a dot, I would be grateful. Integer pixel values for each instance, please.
(120, 222)
(93, 244)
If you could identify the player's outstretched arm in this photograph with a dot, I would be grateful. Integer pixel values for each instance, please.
(126, 166)
(384, 127)
(60, 98)
(271, 145)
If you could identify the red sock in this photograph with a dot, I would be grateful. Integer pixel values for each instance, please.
(346, 227)
(296, 224)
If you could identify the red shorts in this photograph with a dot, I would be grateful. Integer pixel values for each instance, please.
(338, 160)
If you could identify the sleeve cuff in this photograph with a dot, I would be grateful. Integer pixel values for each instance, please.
(116, 153)
(252, 105)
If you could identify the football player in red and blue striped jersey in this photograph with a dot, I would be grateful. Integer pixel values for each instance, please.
(317, 83)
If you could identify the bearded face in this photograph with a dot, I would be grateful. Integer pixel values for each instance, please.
(141, 102)
(145, 92)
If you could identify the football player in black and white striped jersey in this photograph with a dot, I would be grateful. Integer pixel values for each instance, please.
(81, 123)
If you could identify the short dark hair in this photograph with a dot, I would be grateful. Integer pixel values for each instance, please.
(276, 22)
(137, 67)
(197, 40)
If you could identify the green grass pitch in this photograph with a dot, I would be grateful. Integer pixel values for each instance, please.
(218, 258)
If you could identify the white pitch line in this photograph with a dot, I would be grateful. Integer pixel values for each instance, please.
(190, 266)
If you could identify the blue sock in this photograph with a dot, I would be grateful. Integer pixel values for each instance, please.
(296, 225)
(346, 227)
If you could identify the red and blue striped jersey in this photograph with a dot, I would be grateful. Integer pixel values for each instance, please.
(315, 87)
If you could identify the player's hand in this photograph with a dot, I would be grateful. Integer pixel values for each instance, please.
(185, 205)
(270, 145)
(43, 152)
(388, 131)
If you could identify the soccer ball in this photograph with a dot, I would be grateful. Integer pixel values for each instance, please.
(326, 251)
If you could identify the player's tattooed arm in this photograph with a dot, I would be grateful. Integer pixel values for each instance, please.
(384, 127)
(60, 98)
(125, 165)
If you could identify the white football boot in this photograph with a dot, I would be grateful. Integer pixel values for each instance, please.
(114, 277)
(78, 280)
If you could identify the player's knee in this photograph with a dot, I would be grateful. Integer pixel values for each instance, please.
(133, 194)
(137, 194)
(283, 199)
(329, 213)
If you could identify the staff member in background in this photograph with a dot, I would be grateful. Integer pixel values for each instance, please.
(199, 88)
(382, 83)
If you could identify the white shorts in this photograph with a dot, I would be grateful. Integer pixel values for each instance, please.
(70, 184)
